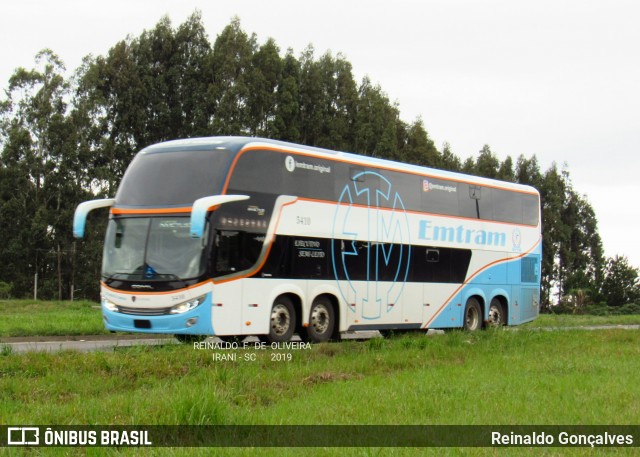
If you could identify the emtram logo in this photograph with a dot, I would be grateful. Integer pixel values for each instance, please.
(371, 262)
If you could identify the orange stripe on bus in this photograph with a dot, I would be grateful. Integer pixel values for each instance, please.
(158, 210)
(150, 210)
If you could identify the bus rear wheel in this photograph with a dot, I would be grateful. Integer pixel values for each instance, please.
(472, 315)
(282, 321)
(496, 314)
(321, 321)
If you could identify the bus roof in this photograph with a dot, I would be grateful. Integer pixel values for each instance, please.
(236, 144)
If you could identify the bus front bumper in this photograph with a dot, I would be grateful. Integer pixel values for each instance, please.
(194, 322)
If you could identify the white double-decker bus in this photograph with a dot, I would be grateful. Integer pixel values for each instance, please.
(232, 236)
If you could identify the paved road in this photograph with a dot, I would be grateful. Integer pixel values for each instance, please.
(92, 343)
(109, 342)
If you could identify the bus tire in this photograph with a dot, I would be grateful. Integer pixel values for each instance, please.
(282, 321)
(321, 321)
(496, 314)
(472, 319)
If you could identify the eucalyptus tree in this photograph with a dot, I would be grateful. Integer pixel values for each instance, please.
(287, 122)
(42, 178)
(487, 164)
(581, 254)
(506, 171)
(376, 122)
(418, 148)
(449, 161)
(621, 282)
(340, 100)
(229, 89)
(311, 99)
(264, 81)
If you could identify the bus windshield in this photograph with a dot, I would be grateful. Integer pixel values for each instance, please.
(152, 249)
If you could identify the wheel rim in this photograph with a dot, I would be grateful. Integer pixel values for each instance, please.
(495, 316)
(280, 319)
(320, 319)
(472, 318)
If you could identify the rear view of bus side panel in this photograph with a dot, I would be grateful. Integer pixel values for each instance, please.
(528, 295)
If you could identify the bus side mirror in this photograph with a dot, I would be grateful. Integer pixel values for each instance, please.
(202, 205)
(83, 209)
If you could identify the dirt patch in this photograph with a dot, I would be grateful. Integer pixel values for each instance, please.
(328, 376)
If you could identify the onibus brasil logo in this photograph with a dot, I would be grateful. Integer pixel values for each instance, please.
(371, 262)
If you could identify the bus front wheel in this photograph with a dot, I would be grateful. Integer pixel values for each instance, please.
(282, 321)
(472, 315)
(321, 321)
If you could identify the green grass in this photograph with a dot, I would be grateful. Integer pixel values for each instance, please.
(573, 320)
(493, 377)
(49, 318)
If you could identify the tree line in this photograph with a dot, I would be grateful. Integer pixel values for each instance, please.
(66, 139)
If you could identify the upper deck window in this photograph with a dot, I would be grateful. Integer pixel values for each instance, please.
(175, 178)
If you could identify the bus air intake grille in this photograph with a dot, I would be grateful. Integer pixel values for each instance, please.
(144, 311)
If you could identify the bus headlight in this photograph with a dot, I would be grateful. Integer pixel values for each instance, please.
(110, 306)
(188, 305)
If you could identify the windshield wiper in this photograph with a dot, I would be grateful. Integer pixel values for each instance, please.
(167, 277)
(117, 276)
(140, 277)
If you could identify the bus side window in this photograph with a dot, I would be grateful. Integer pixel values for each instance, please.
(227, 249)
(433, 255)
(236, 250)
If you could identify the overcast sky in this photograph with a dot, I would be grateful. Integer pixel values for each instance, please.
(555, 78)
